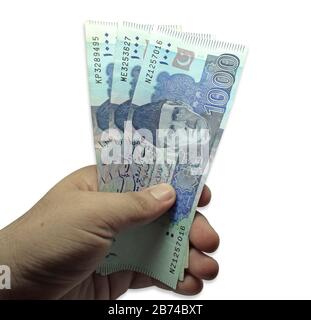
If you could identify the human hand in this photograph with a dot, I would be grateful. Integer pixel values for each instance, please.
(55, 247)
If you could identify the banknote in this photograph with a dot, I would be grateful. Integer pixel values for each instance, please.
(185, 83)
(128, 58)
(132, 41)
(158, 175)
(100, 49)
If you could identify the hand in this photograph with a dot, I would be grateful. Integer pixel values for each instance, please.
(55, 247)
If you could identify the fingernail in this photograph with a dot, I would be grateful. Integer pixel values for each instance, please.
(162, 191)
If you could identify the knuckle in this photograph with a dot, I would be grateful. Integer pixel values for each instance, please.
(213, 243)
(142, 203)
(212, 270)
(216, 242)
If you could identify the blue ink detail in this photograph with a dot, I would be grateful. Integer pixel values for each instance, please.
(178, 87)
(121, 114)
(186, 186)
(109, 73)
(148, 117)
(204, 98)
(102, 115)
(107, 41)
(165, 57)
(134, 74)
(136, 44)
(137, 38)
(106, 34)
(107, 48)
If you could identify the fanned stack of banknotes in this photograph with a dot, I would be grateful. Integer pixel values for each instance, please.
(160, 99)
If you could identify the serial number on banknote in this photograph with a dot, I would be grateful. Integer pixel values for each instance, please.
(153, 61)
(177, 249)
(97, 66)
(125, 58)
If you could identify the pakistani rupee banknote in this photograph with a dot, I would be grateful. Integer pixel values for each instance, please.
(186, 84)
(106, 46)
(100, 49)
(131, 44)
(130, 48)
(132, 41)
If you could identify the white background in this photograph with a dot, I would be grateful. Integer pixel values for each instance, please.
(261, 176)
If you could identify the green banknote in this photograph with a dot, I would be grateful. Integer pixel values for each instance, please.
(185, 83)
(100, 49)
(132, 41)
(102, 52)
(127, 49)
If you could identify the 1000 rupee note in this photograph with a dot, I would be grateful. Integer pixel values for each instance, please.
(191, 87)
(100, 48)
(132, 40)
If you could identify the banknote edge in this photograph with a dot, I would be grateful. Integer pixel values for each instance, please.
(99, 22)
(137, 26)
(105, 269)
(202, 40)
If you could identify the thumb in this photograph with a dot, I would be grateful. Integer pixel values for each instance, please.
(119, 211)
